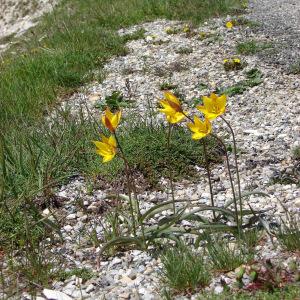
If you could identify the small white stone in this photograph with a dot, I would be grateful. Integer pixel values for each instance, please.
(55, 295)
(71, 216)
(90, 288)
(68, 228)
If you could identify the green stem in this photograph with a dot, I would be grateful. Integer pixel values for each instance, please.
(209, 176)
(231, 181)
(170, 169)
(128, 177)
(236, 166)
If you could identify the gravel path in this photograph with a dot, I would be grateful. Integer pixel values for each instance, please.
(280, 20)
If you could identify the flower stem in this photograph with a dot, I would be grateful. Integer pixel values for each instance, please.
(209, 176)
(128, 177)
(236, 166)
(170, 169)
(231, 180)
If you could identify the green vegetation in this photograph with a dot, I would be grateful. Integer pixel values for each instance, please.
(296, 153)
(252, 47)
(295, 68)
(184, 269)
(184, 51)
(167, 86)
(146, 150)
(254, 77)
(290, 292)
(225, 255)
(56, 58)
(84, 274)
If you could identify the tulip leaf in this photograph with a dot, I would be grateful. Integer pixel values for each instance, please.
(122, 241)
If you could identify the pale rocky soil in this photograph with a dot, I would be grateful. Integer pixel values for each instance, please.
(17, 16)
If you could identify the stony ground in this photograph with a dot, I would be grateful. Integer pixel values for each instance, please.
(265, 118)
(280, 20)
(17, 16)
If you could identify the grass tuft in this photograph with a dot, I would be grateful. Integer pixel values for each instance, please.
(252, 47)
(184, 269)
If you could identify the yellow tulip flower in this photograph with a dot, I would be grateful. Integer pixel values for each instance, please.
(229, 24)
(200, 128)
(110, 120)
(171, 108)
(213, 107)
(107, 147)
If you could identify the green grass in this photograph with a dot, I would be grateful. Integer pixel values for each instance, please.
(147, 152)
(225, 255)
(254, 77)
(252, 47)
(184, 269)
(295, 67)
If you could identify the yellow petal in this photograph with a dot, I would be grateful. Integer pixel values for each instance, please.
(108, 158)
(198, 135)
(171, 97)
(112, 141)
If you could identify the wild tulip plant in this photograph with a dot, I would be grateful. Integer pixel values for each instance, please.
(138, 232)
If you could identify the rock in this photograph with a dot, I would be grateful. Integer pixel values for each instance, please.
(55, 295)
(71, 217)
(218, 289)
(297, 202)
(68, 228)
(90, 288)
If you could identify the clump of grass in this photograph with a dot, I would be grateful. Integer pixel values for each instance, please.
(184, 51)
(83, 273)
(295, 68)
(226, 255)
(296, 153)
(254, 77)
(146, 150)
(167, 86)
(289, 235)
(252, 47)
(184, 269)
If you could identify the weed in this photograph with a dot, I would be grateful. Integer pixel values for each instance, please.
(137, 35)
(295, 68)
(184, 269)
(254, 77)
(184, 51)
(289, 235)
(115, 101)
(253, 47)
(167, 86)
(83, 273)
(225, 255)
(290, 292)
(296, 153)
